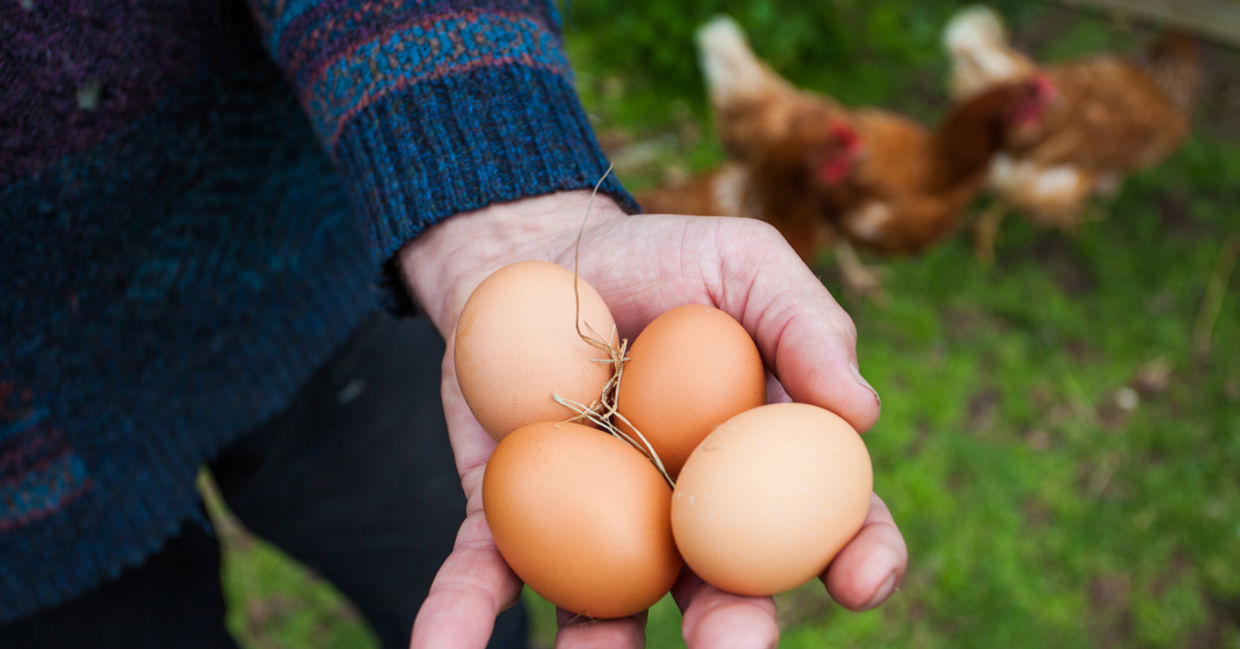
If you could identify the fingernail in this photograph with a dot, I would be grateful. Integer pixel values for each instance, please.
(884, 591)
(864, 383)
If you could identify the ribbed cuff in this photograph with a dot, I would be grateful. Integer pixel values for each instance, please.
(461, 143)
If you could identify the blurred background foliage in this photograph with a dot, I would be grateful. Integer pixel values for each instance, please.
(1060, 439)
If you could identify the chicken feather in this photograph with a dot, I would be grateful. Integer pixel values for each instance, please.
(825, 174)
(1111, 114)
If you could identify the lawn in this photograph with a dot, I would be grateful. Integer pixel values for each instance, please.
(1060, 438)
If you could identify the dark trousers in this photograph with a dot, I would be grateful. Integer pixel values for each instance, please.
(355, 479)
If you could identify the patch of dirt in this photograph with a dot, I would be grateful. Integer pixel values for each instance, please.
(1072, 273)
(1177, 218)
(964, 321)
(1080, 349)
(1111, 618)
(1037, 439)
(1041, 397)
(1175, 570)
(983, 410)
(1116, 412)
(1037, 514)
(1224, 616)
(921, 435)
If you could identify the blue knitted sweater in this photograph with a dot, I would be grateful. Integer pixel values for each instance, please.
(198, 201)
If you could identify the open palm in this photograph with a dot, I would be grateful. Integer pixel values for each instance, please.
(642, 266)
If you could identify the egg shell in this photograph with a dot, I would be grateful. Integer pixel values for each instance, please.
(689, 370)
(517, 346)
(582, 517)
(769, 498)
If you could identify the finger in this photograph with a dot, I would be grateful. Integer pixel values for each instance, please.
(474, 583)
(472, 586)
(580, 632)
(869, 569)
(714, 619)
(775, 392)
(803, 333)
(471, 445)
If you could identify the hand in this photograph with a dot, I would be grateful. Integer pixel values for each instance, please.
(642, 266)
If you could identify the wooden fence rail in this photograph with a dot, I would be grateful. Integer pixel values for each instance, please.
(1217, 20)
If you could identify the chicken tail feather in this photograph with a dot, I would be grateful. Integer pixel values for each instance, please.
(973, 28)
(977, 41)
(731, 69)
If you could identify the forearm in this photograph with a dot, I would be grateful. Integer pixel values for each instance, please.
(421, 131)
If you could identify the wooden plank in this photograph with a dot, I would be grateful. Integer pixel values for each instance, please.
(1217, 20)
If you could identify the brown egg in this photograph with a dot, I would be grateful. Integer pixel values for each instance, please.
(770, 497)
(582, 518)
(689, 370)
(517, 345)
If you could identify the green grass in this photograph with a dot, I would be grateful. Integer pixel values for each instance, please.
(1060, 439)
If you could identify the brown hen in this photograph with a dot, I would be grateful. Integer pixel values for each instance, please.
(1110, 116)
(827, 175)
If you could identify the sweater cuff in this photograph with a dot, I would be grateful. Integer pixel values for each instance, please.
(461, 143)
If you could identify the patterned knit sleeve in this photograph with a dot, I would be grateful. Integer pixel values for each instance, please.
(435, 107)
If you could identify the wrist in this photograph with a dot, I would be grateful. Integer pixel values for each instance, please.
(442, 266)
